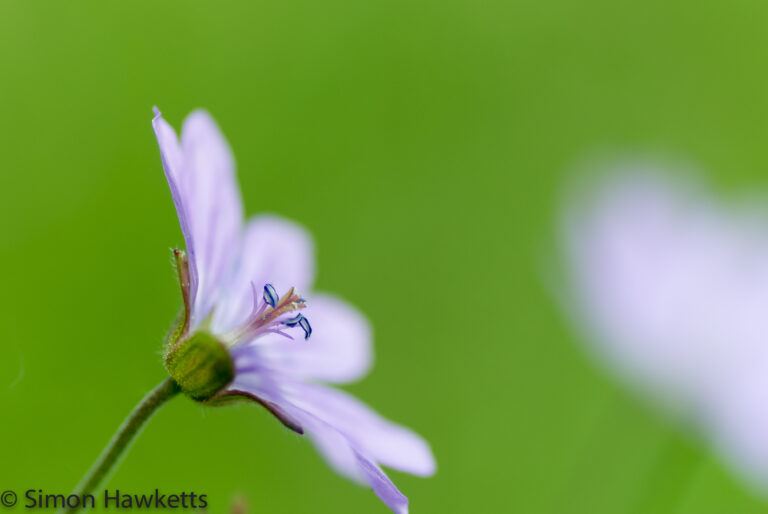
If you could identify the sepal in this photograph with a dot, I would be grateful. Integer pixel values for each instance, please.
(201, 365)
(180, 327)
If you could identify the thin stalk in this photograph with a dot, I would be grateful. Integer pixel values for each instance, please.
(124, 437)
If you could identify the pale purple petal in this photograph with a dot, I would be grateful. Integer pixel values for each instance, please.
(339, 350)
(345, 455)
(262, 388)
(738, 420)
(332, 445)
(351, 437)
(201, 176)
(173, 162)
(673, 287)
(392, 445)
(382, 485)
(215, 206)
(274, 251)
(258, 381)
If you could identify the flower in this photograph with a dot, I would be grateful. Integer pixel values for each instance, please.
(672, 288)
(235, 338)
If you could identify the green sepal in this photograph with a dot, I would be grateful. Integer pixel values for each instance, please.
(175, 333)
(201, 365)
(181, 324)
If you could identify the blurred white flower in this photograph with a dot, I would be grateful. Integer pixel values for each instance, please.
(671, 287)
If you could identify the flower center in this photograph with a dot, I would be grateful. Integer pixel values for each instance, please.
(270, 316)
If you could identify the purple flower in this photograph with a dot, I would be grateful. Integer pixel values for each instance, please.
(671, 286)
(241, 284)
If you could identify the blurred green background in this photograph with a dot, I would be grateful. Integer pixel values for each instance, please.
(425, 145)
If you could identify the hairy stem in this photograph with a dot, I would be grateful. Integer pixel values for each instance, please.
(124, 437)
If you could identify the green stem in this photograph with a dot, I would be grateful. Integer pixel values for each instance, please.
(124, 437)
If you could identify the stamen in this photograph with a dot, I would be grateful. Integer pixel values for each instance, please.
(304, 324)
(268, 317)
(270, 296)
(293, 321)
(289, 302)
(301, 321)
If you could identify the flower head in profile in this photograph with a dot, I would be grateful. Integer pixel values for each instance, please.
(671, 286)
(252, 329)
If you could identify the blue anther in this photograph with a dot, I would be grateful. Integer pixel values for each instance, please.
(304, 324)
(293, 321)
(301, 321)
(270, 295)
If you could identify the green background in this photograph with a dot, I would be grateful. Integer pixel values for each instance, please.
(425, 145)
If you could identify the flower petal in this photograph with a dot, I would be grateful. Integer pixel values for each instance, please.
(332, 445)
(346, 457)
(350, 436)
(739, 422)
(274, 251)
(392, 445)
(671, 286)
(259, 382)
(340, 347)
(171, 156)
(214, 196)
(382, 485)
(261, 389)
(200, 172)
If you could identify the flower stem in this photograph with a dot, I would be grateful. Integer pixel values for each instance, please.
(124, 437)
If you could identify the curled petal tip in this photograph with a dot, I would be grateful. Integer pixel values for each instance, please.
(156, 111)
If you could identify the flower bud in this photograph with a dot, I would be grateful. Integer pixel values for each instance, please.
(201, 365)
